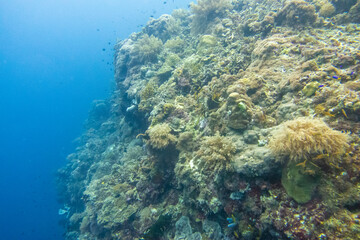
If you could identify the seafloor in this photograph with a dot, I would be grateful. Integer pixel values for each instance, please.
(234, 120)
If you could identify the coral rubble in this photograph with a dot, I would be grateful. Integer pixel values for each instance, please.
(238, 119)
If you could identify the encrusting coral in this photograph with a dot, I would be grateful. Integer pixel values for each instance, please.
(303, 138)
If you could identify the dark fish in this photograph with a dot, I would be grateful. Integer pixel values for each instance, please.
(103, 49)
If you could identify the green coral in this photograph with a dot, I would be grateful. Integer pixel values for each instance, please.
(298, 183)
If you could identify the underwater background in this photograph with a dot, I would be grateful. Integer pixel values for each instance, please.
(232, 119)
(56, 57)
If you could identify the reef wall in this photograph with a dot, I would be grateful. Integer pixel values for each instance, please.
(234, 120)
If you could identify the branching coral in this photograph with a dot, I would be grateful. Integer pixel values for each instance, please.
(160, 136)
(303, 138)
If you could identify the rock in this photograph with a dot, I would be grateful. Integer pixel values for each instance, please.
(212, 230)
(184, 231)
(251, 137)
(255, 162)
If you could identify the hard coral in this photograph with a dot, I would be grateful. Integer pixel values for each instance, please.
(160, 136)
(303, 138)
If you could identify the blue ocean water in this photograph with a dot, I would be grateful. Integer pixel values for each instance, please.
(55, 58)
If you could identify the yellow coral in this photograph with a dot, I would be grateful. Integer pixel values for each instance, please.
(304, 138)
(160, 136)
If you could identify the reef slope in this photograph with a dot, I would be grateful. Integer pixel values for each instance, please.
(234, 120)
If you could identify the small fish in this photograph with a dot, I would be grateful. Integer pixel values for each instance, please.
(335, 77)
(321, 85)
(230, 220)
(231, 225)
(328, 114)
(320, 156)
(344, 113)
(302, 164)
(310, 172)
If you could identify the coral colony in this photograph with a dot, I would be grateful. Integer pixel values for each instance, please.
(233, 120)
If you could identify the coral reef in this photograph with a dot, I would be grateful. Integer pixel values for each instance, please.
(232, 120)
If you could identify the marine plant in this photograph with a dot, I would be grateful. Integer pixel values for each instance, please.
(304, 138)
(160, 136)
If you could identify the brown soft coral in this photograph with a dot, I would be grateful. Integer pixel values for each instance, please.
(206, 11)
(303, 138)
(296, 13)
(216, 152)
(160, 136)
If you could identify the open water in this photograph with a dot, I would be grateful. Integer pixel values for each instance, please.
(55, 58)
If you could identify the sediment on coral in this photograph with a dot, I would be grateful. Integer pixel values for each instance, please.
(232, 120)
